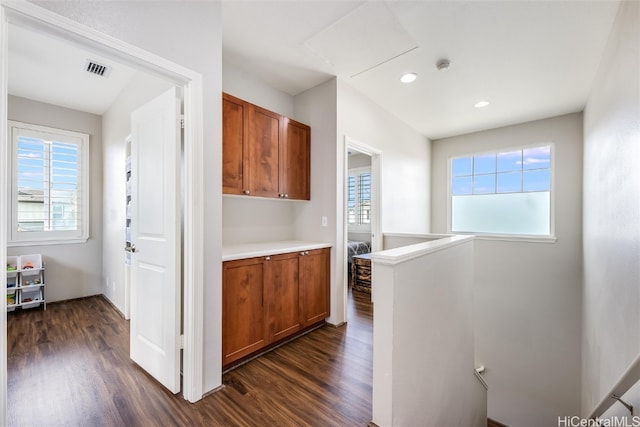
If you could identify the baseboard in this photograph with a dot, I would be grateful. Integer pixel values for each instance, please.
(104, 297)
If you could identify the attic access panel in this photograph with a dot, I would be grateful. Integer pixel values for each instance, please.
(361, 40)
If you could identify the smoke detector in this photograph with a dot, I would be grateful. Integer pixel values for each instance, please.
(443, 64)
(96, 68)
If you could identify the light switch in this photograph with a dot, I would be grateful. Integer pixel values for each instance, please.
(324, 221)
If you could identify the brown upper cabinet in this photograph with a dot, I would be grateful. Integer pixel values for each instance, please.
(264, 154)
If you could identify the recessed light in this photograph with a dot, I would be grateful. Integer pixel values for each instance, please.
(408, 78)
(481, 104)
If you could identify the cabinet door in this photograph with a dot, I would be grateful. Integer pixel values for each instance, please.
(314, 286)
(264, 154)
(243, 313)
(283, 309)
(296, 158)
(235, 119)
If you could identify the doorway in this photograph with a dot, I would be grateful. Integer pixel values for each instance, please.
(27, 15)
(362, 213)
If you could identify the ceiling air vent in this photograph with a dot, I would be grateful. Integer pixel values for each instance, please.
(97, 69)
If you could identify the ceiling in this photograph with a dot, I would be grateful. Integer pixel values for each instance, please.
(53, 71)
(529, 59)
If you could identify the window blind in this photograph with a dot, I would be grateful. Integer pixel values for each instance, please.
(48, 185)
(364, 205)
(359, 198)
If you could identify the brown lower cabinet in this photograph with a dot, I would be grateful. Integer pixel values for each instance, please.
(267, 299)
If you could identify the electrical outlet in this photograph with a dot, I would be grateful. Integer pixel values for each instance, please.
(324, 221)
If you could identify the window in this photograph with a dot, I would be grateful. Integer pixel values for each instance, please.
(49, 185)
(503, 193)
(359, 199)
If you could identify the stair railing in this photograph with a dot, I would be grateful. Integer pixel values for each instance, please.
(628, 379)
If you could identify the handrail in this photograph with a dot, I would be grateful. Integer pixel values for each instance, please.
(478, 371)
(628, 379)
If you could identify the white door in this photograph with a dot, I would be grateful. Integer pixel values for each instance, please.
(155, 238)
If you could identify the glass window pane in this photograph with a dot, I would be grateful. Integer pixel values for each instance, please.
(351, 191)
(351, 215)
(49, 181)
(509, 182)
(460, 167)
(365, 213)
(536, 180)
(462, 185)
(365, 186)
(484, 184)
(536, 158)
(511, 161)
(484, 164)
(514, 213)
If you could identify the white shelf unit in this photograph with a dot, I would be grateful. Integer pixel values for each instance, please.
(127, 237)
(127, 230)
(25, 282)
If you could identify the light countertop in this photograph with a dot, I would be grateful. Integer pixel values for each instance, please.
(251, 250)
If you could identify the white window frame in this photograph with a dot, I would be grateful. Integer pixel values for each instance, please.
(550, 238)
(32, 238)
(359, 228)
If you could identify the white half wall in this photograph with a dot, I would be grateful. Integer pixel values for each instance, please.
(188, 34)
(116, 126)
(611, 318)
(527, 296)
(72, 270)
(423, 346)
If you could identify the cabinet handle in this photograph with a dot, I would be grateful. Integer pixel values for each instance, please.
(281, 195)
(267, 258)
(302, 253)
(247, 192)
(286, 196)
(306, 252)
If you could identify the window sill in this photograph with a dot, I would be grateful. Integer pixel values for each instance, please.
(511, 238)
(47, 242)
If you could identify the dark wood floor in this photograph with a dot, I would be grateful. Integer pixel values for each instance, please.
(69, 366)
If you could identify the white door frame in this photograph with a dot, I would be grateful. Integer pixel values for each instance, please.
(30, 15)
(376, 215)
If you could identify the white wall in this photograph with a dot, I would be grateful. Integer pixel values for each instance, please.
(406, 158)
(335, 110)
(251, 89)
(527, 295)
(254, 219)
(189, 34)
(317, 108)
(116, 126)
(397, 240)
(611, 319)
(359, 160)
(72, 270)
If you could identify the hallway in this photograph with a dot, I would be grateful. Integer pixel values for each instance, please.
(70, 366)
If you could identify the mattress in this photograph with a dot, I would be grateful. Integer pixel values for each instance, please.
(357, 248)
